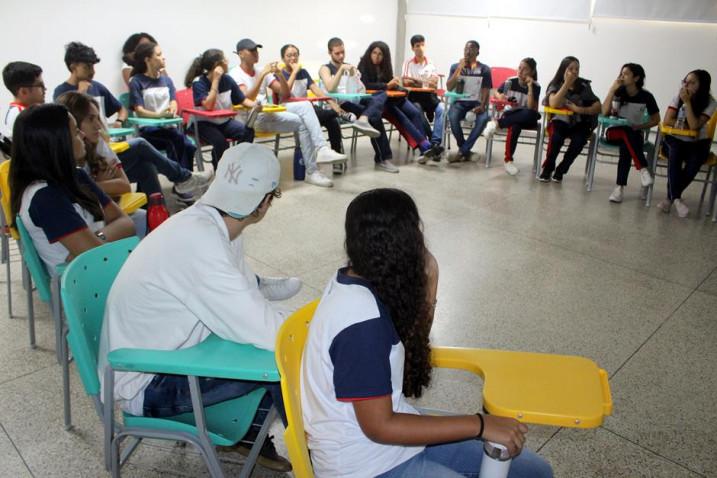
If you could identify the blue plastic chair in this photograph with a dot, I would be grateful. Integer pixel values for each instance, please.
(84, 289)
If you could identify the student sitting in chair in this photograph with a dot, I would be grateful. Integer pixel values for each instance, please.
(64, 211)
(24, 81)
(81, 60)
(128, 53)
(298, 116)
(473, 79)
(368, 349)
(198, 255)
(419, 72)
(214, 89)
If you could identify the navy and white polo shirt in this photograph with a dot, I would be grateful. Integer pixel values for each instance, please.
(581, 95)
(229, 95)
(49, 215)
(352, 353)
(302, 82)
(677, 105)
(109, 105)
(153, 94)
(633, 108)
(517, 93)
(474, 80)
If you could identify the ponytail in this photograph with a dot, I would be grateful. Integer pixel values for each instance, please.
(141, 53)
(194, 71)
(203, 64)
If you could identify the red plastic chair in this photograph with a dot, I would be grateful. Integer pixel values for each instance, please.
(501, 73)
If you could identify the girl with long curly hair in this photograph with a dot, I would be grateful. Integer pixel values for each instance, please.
(368, 349)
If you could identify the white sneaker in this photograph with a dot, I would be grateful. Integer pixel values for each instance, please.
(328, 155)
(317, 178)
(664, 206)
(253, 115)
(511, 168)
(366, 128)
(387, 166)
(279, 288)
(645, 177)
(616, 195)
(489, 129)
(195, 183)
(681, 208)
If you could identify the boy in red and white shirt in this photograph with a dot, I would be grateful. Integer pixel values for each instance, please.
(24, 80)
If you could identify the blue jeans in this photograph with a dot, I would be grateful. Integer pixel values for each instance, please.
(463, 459)
(142, 161)
(173, 142)
(169, 395)
(410, 120)
(458, 111)
(373, 109)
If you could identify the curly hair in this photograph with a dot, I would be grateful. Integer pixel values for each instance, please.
(376, 73)
(385, 246)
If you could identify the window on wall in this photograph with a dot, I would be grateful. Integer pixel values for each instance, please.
(566, 10)
(703, 11)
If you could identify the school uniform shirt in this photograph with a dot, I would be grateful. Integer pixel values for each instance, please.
(474, 80)
(241, 77)
(184, 281)
(50, 215)
(109, 105)
(352, 353)
(681, 116)
(415, 69)
(228, 95)
(351, 83)
(302, 82)
(633, 108)
(517, 93)
(581, 95)
(10, 116)
(153, 94)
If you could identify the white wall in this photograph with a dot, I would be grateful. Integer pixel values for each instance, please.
(184, 31)
(667, 51)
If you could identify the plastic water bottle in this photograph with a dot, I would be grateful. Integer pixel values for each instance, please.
(496, 461)
(157, 211)
(680, 121)
(299, 166)
(460, 85)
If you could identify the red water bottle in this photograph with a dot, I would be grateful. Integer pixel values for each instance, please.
(157, 211)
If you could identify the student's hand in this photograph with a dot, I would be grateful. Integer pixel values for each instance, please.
(117, 124)
(569, 77)
(506, 431)
(616, 84)
(461, 64)
(479, 109)
(393, 84)
(106, 174)
(83, 86)
(529, 81)
(685, 95)
(172, 109)
(216, 74)
(571, 106)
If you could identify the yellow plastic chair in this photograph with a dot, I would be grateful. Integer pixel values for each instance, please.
(130, 202)
(268, 137)
(119, 147)
(542, 389)
(7, 232)
(659, 160)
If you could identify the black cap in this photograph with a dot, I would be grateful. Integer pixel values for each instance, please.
(247, 44)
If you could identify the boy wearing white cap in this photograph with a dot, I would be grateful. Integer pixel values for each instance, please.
(189, 278)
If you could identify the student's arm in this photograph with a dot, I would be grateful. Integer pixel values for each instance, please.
(113, 180)
(117, 226)
(653, 120)
(455, 74)
(122, 115)
(211, 98)
(125, 75)
(607, 103)
(280, 86)
(533, 94)
(254, 91)
(319, 92)
(331, 82)
(380, 424)
(670, 116)
(695, 119)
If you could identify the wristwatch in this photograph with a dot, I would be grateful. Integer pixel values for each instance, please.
(101, 235)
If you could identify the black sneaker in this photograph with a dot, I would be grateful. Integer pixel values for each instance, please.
(268, 457)
(544, 177)
(557, 177)
(183, 198)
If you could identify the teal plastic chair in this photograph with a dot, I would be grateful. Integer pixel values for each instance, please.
(138, 122)
(85, 286)
(48, 289)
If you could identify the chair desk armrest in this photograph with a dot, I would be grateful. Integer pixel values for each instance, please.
(214, 357)
(135, 120)
(557, 111)
(210, 113)
(669, 130)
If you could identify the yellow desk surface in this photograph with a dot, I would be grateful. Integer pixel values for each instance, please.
(130, 202)
(543, 389)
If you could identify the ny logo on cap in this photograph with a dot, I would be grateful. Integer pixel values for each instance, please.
(232, 174)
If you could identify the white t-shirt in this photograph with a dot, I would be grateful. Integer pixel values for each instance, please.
(10, 116)
(425, 69)
(183, 282)
(352, 353)
(681, 116)
(243, 78)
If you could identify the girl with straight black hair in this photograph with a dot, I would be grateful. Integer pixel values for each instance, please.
(63, 210)
(368, 349)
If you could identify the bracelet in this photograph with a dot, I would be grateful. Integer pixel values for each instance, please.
(103, 238)
(482, 425)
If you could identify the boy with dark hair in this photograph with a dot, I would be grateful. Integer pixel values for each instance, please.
(24, 81)
(420, 72)
(477, 82)
(80, 60)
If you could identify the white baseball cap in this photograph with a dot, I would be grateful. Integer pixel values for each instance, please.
(247, 172)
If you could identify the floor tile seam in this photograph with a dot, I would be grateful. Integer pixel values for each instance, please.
(659, 327)
(653, 452)
(2, 428)
(10, 380)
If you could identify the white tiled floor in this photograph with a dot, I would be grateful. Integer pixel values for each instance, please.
(524, 266)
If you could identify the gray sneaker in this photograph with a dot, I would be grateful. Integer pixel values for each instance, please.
(366, 128)
(195, 184)
(387, 166)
